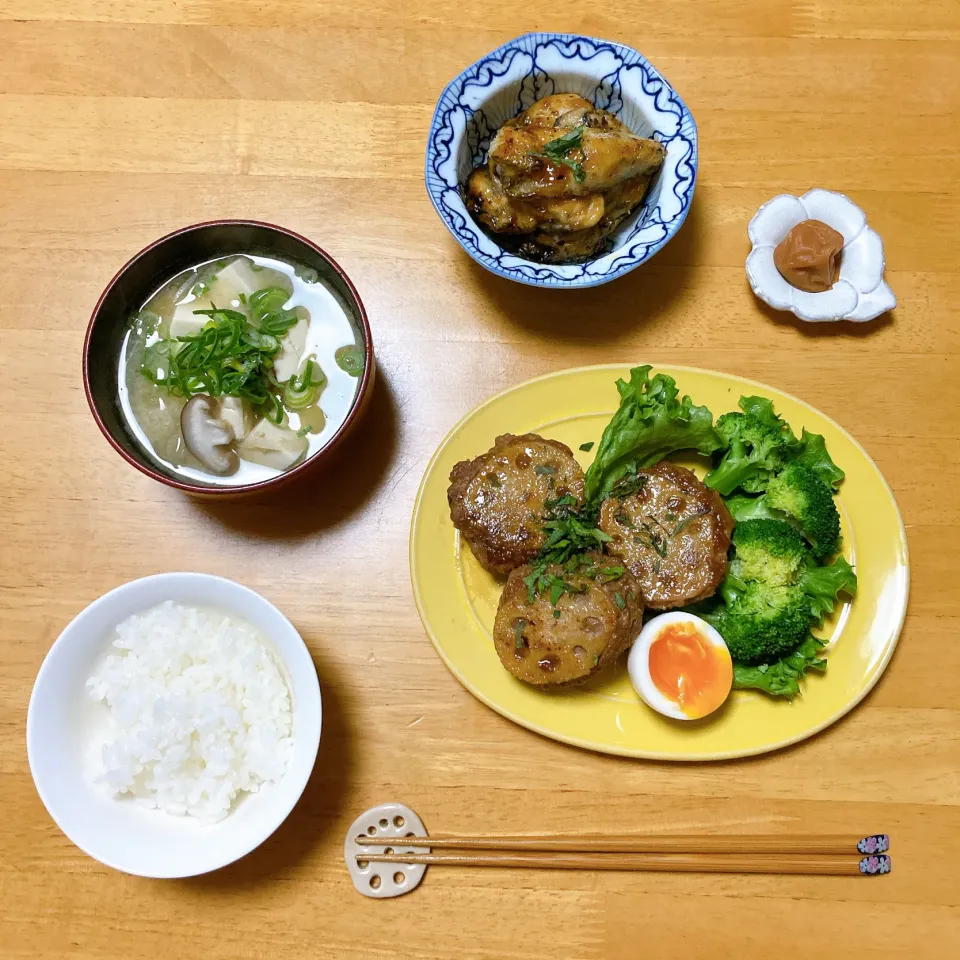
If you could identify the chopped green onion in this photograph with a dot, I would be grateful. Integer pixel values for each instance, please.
(215, 312)
(267, 311)
(312, 375)
(296, 398)
(156, 361)
(302, 391)
(267, 300)
(350, 359)
(274, 410)
(269, 344)
(299, 399)
(229, 356)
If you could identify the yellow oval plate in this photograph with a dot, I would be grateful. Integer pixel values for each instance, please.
(457, 598)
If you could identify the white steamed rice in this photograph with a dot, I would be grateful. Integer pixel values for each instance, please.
(199, 711)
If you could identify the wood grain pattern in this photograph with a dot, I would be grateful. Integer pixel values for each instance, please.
(122, 120)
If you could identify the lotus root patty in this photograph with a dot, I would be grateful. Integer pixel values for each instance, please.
(593, 627)
(673, 534)
(497, 501)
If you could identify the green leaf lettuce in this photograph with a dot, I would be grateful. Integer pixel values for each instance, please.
(812, 453)
(650, 424)
(823, 584)
(782, 677)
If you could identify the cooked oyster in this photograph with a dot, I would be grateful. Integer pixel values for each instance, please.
(560, 178)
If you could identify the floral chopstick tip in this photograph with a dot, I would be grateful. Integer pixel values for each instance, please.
(874, 844)
(874, 866)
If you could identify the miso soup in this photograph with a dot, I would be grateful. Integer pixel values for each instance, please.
(238, 370)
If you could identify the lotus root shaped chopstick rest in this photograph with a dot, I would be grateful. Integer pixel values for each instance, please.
(396, 825)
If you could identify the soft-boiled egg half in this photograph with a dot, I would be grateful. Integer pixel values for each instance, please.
(680, 666)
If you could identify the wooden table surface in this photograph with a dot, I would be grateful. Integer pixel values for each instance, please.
(120, 121)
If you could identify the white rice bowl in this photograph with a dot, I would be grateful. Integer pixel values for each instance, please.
(199, 711)
(193, 744)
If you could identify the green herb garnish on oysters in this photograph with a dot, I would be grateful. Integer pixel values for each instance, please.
(559, 150)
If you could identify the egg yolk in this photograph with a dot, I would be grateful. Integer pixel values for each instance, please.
(689, 670)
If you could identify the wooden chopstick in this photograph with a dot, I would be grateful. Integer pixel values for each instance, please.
(607, 843)
(792, 863)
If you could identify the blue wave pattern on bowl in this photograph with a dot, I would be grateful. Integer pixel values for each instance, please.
(510, 79)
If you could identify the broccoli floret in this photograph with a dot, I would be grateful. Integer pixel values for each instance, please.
(729, 590)
(770, 551)
(823, 584)
(762, 623)
(762, 409)
(755, 451)
(750, 508)
(799, 493)
(758, 443)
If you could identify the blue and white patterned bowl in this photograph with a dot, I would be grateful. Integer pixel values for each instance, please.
(506, 82)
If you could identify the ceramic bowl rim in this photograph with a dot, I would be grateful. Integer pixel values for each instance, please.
(308, 741)
(270, 483)
(562, 283)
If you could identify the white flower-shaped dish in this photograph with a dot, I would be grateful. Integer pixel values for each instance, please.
(859, 294)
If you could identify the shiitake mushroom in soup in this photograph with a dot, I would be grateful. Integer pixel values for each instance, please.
(238, 369)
